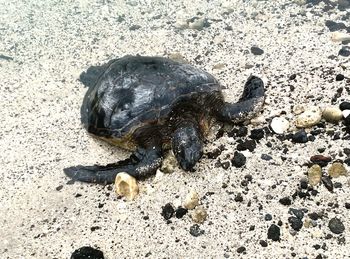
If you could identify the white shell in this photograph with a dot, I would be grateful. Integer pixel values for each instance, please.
(279, 125)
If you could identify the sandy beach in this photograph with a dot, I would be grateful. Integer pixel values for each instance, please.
(46, 45)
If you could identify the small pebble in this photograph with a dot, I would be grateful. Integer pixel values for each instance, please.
(309, 117)
(336, 226)
(256, 51)
(263, 243)
(196, 231)
(279, 125)
(286, 201)
(241, 249)
(339, 77)
(344, 51)
(199, 215)
(303, 183)
(274, 232)
(247, 144)
(321, 160)
(126, 185)
(266, 157)
(169, 163)
(268, 217)
(332, 114)
(314, 216)
(192, 200)
(87, 252)
(298, 109)
(300, 137)
(314, 175)
(327, 182)
(167, 211)
(295, 223)
(238, 160)
(180, 212)
(337, 169)
(344, 106)
(298, 213)
(257, 134)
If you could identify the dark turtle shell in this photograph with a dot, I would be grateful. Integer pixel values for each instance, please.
(135, 92)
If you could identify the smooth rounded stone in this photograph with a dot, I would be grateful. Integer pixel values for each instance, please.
(321, 160)
(87, 252)
(199, 215)
(192, 200)
(344, 51)
(337, 169)
(274, 232)
(256, 50)
(314, 175)
(344, 106)
(309, 117)
(279, 125)
(336, 226)
(339, 77)
(241, 249)
(300, 137)
(169, 163)
(126, 186)
(332, 114)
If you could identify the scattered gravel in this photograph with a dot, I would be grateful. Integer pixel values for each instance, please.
(168, 211)
(274, 233)
(87, 252)
(196, 231)
(336, 226)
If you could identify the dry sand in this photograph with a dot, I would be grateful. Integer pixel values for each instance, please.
(51, 42)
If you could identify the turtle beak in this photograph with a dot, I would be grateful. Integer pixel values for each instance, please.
(187, 147)
(190, 156)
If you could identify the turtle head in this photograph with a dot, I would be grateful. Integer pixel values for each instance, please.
(187, 145)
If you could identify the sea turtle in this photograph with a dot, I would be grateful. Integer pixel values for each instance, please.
(150, 104)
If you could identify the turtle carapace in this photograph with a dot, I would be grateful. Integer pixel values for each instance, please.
(150, 104)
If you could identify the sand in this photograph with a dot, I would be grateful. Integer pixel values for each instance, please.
(49, 43)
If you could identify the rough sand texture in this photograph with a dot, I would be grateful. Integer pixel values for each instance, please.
(52, 42)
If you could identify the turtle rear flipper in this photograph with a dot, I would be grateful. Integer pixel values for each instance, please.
(250, 103)
(142, 163)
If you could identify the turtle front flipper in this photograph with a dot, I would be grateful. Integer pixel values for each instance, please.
(250, 103)
(142, 163)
